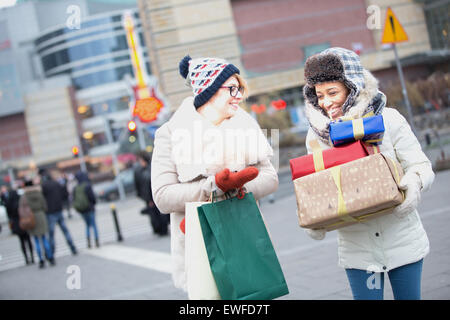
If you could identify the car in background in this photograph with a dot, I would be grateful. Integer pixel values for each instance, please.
(109, 190)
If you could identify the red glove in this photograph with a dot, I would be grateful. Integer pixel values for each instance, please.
(182, 225)
(227, 180)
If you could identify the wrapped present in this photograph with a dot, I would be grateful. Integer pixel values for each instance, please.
(349, 193)
(369, 129)
(324, 159)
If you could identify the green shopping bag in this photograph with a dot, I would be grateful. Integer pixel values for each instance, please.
(241, 255)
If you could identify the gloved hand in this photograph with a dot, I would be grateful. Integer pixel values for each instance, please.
(227, 180)
(412, 185)
(318, 234)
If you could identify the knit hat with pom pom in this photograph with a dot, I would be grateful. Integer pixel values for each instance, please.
(205, 76)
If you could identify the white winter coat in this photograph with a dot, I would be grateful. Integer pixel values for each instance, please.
(189, 151)
(389, 241)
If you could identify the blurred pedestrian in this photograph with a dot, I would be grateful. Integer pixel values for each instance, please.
(142, 182)
(63, 181)
(337, 85)
(54, 195)
(10, 199)
(209, 145)
(34, 198)
(84, 202)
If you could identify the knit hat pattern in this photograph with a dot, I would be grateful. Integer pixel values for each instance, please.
(205, 76)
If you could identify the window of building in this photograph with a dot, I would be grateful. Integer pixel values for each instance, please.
(104, 107)
(437, 13)
(84, 50)
(314, 48)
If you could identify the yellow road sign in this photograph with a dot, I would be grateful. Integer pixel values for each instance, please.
(393, 30)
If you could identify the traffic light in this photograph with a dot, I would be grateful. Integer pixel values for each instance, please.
(132, 134)
(131, 126)
(75, 151)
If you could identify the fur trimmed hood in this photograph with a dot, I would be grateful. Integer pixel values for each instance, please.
(199, 148)
(338, 64)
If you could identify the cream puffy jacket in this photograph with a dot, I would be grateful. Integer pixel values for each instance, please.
(389, 241)
(189, 151)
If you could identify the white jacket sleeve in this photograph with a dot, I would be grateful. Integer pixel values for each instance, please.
(265, 183)
(408, 150)
(169, 194)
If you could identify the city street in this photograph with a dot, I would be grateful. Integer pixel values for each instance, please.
(139, 266)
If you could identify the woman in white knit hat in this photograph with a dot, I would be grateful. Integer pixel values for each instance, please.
(337, 85)
(209, 144)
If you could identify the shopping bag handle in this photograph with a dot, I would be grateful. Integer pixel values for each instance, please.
(240, 195)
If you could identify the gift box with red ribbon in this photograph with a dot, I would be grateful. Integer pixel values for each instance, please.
(350, 193)
(323, 159)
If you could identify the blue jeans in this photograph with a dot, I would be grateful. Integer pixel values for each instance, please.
(405, 282)
(46, 245)
(89, 218)
(57, 218)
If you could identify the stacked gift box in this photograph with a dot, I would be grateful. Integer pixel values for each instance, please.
(350, 183)
(369, 129)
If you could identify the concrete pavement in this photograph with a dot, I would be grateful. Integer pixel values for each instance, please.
(130, 269)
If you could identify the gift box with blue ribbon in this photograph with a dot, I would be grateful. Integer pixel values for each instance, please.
(369, 129)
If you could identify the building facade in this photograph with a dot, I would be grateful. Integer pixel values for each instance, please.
(269, 40)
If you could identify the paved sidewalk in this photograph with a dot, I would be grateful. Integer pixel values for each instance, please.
(310, 266)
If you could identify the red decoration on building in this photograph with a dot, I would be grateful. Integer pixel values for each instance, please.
(279, 104)
(258, 109)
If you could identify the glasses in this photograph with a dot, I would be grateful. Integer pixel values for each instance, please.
(234, 90)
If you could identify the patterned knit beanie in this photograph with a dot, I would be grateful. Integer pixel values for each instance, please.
(205, 76)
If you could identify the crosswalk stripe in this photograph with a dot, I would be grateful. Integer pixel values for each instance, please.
(149, 259)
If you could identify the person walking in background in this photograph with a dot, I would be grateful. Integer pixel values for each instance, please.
(84, 202)
(34, 199)
(63, 181)
(142, 182)
(10, 199)
(54, 195)
(337, 85)
(199, 149)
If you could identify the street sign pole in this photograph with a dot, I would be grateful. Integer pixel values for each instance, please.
(82, 162)
(393, 33)
(404, 92)
(110, 139)
(140, 134)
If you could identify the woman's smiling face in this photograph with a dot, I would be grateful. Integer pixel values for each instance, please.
(331, 97)
(223, 102)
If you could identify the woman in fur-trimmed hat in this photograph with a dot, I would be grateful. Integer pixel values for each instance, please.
(209, 144)
(337, 85)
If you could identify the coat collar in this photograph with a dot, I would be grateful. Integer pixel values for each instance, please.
(200, 148)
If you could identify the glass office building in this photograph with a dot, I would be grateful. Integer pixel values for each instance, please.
(95, 54)
(97, 58)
